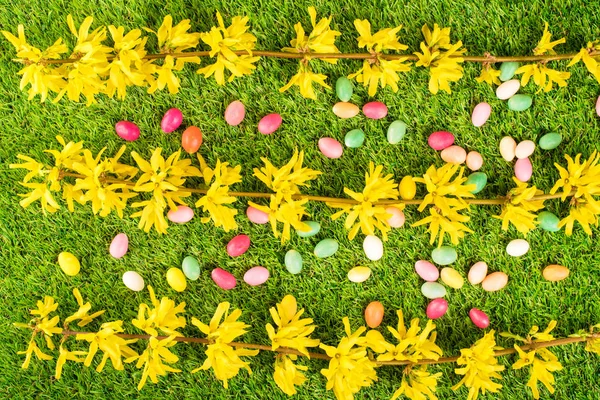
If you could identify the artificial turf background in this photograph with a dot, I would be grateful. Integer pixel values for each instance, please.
(31, 241)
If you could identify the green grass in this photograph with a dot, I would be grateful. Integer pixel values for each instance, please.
(31, 241)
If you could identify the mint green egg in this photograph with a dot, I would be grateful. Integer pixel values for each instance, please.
(548, 221)
(354, 138)
(326, 248)
(293, 262)
(315, 227)
(343, 88)
(444, 255)
(479, 179)
(550, 140)
(396, 132)
(191, 268)
(519, 102)
(433, 290)
(507, 70)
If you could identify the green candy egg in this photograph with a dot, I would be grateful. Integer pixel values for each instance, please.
(191, 268)
(326, 248)
(343, 88)
(548, 221)
(550, 141)
(293, 262)
(507, 70)
(519, 102)
(354, 138)
(315, 227)
(396, 132)
(444, 255)
(479, 179)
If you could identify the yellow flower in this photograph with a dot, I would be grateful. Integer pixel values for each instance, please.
(439, 184)
(440, 224)
(162, 316)
(64, 356)
(418, 384)
(287, 374)
(369, 215)
(70, 155)
(82, 313)
(48, 326)
(113, 346)
(288, 212)
(152, 215)
(542, 367)
(489, 75)
(152, 359)
(44, 308)
(223, 358)
(320, 40)
(592, 343)
(350, 368)
(384, 39)
(480, 366)
(543, 76)
(304, 79)
(31, 350)
(586, 213)
(175, 38)
(519, 206)
(545, 46)
(588, 55)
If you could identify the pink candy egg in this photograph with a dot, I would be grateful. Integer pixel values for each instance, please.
(523, 169)
(481, 113)
(454, 155)
(269, 124)
(256, 276)
(479, 318)
(524, 149)
(181, 215)
(127, 130)
(474, 161)
(238, 245)
(427, 271)
(437, 308)
(119, 246)
(440, 140)
(257, 216)
(397, 217)
(375, 110)
(171, 120)
(225, 280)
(330, 147)
(235, 113)
(598, 106)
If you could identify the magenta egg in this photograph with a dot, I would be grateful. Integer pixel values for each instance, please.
(375, 110)
(225, 280)
(330, 147)
(119, 246)
(523, 169)
(171, 120)
(256, 276)
(257, 216)
(427, 271)
(127, 130)
(269, 124)
(235, 113)
(437, 308)
(479, 318)
(440, 140)
(181, 215)
(238, 245)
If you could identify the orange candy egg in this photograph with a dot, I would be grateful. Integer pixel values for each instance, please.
(374, 314)
(191, 140)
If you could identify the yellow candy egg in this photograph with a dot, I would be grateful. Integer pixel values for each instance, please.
(407, 188)
(176, 279)
(452, 278)
(69, 263)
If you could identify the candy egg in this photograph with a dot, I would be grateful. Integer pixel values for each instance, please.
(427, 271)
(517, 247)
(235, 113)
(479, 179)
(477, 273)
(191, 140)
(133, 281)
(69, 263)
(238, 245)
(433, 290)
(354, 138)
(407, 188)
(550, 141)
(171, 120)
(479, 318)
(359, 274)
(257, 216)
(345, 110)
(440, 140)
(330, 147)
(225, 280)
(373, 247)
(314, 228)
(555, 272)
(119, 246)
(494, 281)
(374, 314)
(397, 217)
(523, 169)
(344, 88)
(444, 255)
(190, 268)
(507, 70)
(524, 149)
(127, 130)
(293, 262)
(454, 155)
(508, 89)
(481, 113)
(375, 110)
(256, 276)
(548, 221)
(176, 279)
(326, 248)
(452, 278)
(507, 148)
(181, 215)
(269, 123)
(519, 102)
(436, 308)
(598, 106)
(396, 132)
(474, 160)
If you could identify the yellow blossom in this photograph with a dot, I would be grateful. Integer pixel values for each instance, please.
(288, 212)
(64, 356)
(31, 350)
(175, 38)
(440, 185)
(287, 375)
(153, 358)
(161, 316)
(113, 346)
(542, 367)
(519, 207)
(82, 313)
(489, 75)
(304, 79)
(588, 55)
(292, 331)
(450, 222)
(418, 384)
(543, 76)
(320, 40)
(44, 308)
(151, 215)
(545, 46)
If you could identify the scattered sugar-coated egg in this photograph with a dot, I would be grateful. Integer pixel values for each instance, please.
(427, 271)
(477, 273)
(523, 169)
(454, 155)
(257, 216)
(444, 255)
(190, 268)
(313, 228)
(171, 120)
(494, 282)
(330, 147)
(375, 110)
(359, 274)
(433, 290)
(119, 246)
(452, 278)
(396, 132)
(507, 70)
(326, 248)
(550, 141)
(127, 130)
(256, 276)
(293, 262)
(373, 247)
(191, 140)
(479, 318)
(474, 161)
(519, 102)
(479, 179)
(508, 89)
(517, 247)
(133, 281)
(397, 217)
(548, 221)
(180, 215)
(407, 188)
(176, 279)
(481, 113)
(345, 110)
(225, 280)
(436, 308)
(235, 113)
(524, 149)
(355, 138)
(598, 106)
(440, 140)
(344, 88)
(507, 148)
(238, 245)
(374, 314)
(69, 263)
(269, 123)
(555, 272)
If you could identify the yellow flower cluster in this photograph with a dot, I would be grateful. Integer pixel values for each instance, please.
(520, 207)
(589, 55)
(367, 216)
